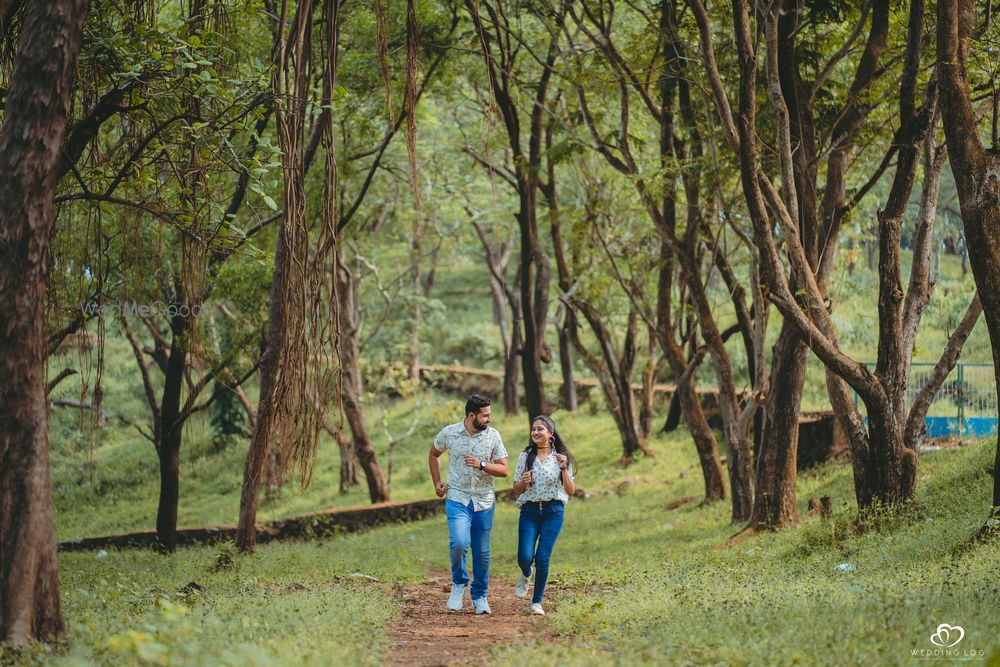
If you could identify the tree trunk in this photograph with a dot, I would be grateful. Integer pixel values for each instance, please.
(351, 385)
(996, 459)
(497, 259)
(673, 414)
(349, 464)
(274, 473)
(890, 471)
(647, 393)
(975, 171)
(776, 504)
(740, 478)
(704, 442)
(534, 272)
(614, 373)
(170, 434)
(568, 390)
(570, 401)
(257, 455)
(31, 139)
(735, 437)
(512, 372)
(166, 512)
(378, 489)
(685, 396)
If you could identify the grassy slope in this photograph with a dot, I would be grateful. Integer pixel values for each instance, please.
(636, 583)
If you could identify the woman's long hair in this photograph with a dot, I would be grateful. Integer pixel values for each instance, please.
(558, 445)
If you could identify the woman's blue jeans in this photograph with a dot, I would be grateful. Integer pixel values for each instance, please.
(468, 528)
(537, 531)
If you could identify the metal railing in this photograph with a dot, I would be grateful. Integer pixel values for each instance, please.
(966, 403)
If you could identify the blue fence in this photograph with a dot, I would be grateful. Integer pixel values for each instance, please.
(966, 404)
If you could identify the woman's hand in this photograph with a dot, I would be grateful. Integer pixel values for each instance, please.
(522, 484)
(567, 480)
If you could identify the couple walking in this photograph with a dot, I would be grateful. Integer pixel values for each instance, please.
(543, 483)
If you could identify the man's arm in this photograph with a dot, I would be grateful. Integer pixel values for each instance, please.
(497, 468)
(434, 463)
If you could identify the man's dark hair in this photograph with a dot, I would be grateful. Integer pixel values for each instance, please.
(475, 403)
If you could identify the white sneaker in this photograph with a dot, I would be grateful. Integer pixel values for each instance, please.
(536, 608)
(481, 606)
(456, 598)
(521, 589)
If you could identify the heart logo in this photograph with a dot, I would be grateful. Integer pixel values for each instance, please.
(947, 635)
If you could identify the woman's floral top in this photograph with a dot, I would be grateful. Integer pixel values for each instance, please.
(546, 480)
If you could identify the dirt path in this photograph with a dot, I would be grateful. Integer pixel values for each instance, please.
(428, 635)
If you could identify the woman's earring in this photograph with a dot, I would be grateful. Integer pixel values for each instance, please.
(552, 438)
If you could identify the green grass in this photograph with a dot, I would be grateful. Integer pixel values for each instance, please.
(632, 582)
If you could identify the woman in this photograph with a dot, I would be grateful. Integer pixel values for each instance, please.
(543, 484)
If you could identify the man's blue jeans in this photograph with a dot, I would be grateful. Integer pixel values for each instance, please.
(466, 528)
(537, 531)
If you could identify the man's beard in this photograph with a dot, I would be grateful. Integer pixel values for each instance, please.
(478, 425)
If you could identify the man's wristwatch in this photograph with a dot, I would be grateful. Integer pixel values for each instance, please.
(482, 464)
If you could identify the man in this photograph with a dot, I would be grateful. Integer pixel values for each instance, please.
(475, 456)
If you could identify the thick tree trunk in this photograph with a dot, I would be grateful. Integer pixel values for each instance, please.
(776, 503)
(818, 229)
(31, 139)
(890, 471)
(975, 172)
(740, 478)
